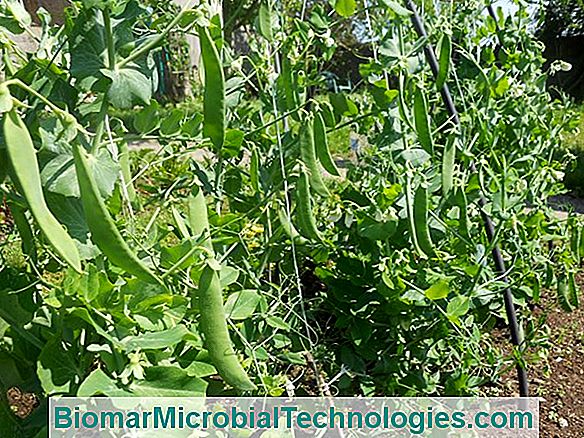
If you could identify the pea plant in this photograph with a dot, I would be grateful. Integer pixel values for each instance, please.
(239, 246)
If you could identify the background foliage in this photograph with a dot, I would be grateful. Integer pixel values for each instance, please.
(374, 282)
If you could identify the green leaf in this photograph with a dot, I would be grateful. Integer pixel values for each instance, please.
(59, 176)
(200, 369)
(265, 20)
(277, 322)
(87, 46)
(374, 230)
(19, 12)
(99, 383)
(171, 124)
(147, 119)
(241, 305)
(233, 142)
(171, 256)
(458, 306)
(69, 211)
(155, 340)
(5, 99)
(228, 275)
(128, 87)
(56, 367)
(169, 382)
(438, 290)
(293, 358)
(345, 8)
(396, 7)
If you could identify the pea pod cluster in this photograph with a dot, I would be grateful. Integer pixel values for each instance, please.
(104, 232)
(26, 176)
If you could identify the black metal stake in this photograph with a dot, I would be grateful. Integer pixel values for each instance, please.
(516, 337)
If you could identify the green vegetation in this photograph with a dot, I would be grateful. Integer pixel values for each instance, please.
(229, 252)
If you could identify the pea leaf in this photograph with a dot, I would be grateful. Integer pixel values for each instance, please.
(241, 305)
(59, 176)
(200, 369)
(438, 290)
(56, 367)
(265, 20)
(99, 383)
(5, 99)
(228, 275)
(128, 87)
(396, 7)
(69, 211)
(169, 381)
(458, 306)
(155, 340)
(345, 8)
(277, 322)
(148, 119)
(87, 46)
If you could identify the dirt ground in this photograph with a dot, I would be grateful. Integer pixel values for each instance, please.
(558, 381)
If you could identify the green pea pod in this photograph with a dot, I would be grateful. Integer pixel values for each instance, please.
(575, 239)
(254, 170)
(124, 157)
(564, 293)
(104, 232)
(214, 96)
(444, 64)
(289, 228)
(198, 218)
(328, 113)
(3, 165)
(179, 221)
(308, 155)
(573, 291)
(289, 87)
(401, 101)
(421, 121)
(422, 229)
(448, 160)
(25, 231)
(22, 156)
(411, 216)
(321, 146)
(214, 328)
(306, 220)
(265, 20)
(462, 203)
(213, 323)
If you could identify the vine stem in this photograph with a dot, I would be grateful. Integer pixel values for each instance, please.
(154, 42)
(111, 57)
(516, 333)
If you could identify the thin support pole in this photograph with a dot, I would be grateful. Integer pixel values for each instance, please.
(516, 335)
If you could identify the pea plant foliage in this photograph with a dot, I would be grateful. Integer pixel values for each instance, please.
(270, 266)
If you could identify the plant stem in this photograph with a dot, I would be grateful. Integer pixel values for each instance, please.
(109, 38)
(111, 57)
(154, 42)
